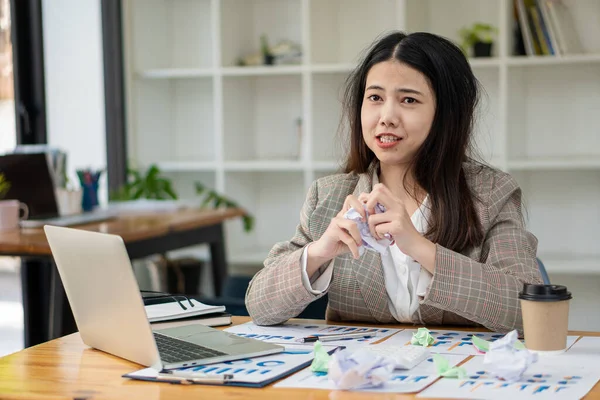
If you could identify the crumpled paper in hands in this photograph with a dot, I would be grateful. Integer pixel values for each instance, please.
(422, 337)
(358, 369)
(506, 360)
(443, 368)
(321, 361)
(369, 242)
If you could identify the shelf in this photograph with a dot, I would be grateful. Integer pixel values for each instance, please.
(332, 68)
(554, 163)
(173, 119)
(247, 166)
(262, 117)
(242, 23)
(337, 36)
(326, 166)
(173, 73)
(181, 166)
(525, 61)
(262, 70)
(563, 264)
(162, 34)
(488, 62)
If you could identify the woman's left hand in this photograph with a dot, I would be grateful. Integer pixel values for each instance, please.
(395, 220)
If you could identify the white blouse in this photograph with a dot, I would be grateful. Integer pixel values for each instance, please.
(406, 282)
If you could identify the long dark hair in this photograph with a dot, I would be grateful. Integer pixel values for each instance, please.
(438, 165)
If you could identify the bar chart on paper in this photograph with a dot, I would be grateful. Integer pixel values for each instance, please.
(410, 381)
(560, 378)
(250, 371)
(453, 342)
(291, 333)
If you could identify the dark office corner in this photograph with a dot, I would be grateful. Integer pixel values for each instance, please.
(116, 150)
(28, 65)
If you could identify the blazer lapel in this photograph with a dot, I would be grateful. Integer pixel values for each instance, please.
(368, 269)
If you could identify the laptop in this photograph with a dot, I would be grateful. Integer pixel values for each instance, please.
(109, 311)
(32, 183)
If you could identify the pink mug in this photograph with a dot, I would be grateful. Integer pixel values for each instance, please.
(9, 214)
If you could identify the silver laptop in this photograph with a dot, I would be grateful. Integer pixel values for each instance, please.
(109, 311)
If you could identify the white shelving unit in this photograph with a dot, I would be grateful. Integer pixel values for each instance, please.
(200, 117)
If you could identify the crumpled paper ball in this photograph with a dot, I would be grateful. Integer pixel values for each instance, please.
(422, 337)
(359, 369)
(321, 361)
(506, 360)
(369, 242)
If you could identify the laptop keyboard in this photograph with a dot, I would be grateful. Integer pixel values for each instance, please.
(173, 350)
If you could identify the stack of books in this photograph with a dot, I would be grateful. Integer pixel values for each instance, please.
(547, 28)
(172, 314)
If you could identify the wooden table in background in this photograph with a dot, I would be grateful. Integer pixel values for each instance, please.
(47, 315)
(66, 368)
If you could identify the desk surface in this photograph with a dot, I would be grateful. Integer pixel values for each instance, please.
(130, 227)
(66, 368)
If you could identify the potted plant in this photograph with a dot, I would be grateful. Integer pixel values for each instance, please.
(4, 186)
(268, 57)
(152, 185)
(479, 37)
(148, 185)
(216, 200)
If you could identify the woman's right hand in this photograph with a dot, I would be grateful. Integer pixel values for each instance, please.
(342, 236)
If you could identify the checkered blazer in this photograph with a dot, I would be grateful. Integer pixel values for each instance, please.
(476, 287)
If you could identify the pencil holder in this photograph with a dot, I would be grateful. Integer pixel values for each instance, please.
(89, 186)
(89, 199)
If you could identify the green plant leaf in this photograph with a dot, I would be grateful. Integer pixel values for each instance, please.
(200, 188)
(211, 196)
(4, 185)
(169, 191)
(248, 221)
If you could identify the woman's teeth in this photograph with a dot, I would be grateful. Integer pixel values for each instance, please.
(388, 139)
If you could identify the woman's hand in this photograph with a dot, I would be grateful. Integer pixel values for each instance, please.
(342, 236)
(396, 222)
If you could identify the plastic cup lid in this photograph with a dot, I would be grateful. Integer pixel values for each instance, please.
(544, 293)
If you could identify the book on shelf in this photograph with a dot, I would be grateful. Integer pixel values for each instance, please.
(564, 25)
(215, 319)
(547, 27)
(180, 309)
(528, 37)
(539, 29)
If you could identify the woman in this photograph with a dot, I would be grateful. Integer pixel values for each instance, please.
(460, 253)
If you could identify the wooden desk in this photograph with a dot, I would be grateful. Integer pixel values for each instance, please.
(44, 301)
(66, 368)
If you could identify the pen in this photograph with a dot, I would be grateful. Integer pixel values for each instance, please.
(330, 338)
(192, 377)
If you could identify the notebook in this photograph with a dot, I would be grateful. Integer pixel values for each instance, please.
(174, 310)
(217, 319)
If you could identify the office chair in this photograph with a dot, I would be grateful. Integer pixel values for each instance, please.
(543, 271)
(234, 291)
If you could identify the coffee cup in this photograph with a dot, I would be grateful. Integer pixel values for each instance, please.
(545, 310)
(10, 211)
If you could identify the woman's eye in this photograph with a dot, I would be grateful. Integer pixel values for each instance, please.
(409, 100)
(374, 97)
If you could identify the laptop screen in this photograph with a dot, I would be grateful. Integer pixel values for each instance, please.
(31, 182)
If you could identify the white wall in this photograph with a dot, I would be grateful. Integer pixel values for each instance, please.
(583, 312)
(75, 82)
